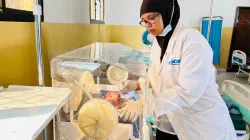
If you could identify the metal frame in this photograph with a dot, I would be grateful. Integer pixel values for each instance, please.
(38, 16)
(241, 65)
(97, 21)
(15, 15)
(229, 67)
(8, 14)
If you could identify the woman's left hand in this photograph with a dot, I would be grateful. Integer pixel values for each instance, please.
(128, 86)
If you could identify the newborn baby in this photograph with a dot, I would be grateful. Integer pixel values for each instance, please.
(115, 99)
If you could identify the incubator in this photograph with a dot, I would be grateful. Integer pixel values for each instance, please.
(90, 72)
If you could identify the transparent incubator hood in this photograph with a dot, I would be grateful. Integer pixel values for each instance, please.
(90, 57)
(92, 72)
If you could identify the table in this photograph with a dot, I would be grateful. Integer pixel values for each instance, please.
(25, 111)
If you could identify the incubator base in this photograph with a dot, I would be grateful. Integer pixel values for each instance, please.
(73, 132)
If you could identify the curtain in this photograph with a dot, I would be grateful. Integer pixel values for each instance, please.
(215, 36)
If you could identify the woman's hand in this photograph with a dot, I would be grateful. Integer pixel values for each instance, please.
(128, 86)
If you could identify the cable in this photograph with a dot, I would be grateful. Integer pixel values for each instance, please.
(60, 126)
(67, 74)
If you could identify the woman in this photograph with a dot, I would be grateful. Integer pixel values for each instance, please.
(182, 72)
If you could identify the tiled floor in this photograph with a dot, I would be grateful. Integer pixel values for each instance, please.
(222, 76)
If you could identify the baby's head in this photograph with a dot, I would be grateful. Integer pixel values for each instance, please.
(113, 97)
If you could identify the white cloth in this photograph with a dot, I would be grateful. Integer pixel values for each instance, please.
(186, 78)
(131, 111)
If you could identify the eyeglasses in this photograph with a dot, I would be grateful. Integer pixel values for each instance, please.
(149, 21)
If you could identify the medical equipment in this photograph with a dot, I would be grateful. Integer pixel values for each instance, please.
(240, 58)
(87, 71)
(117, 75)
(105, 116)
(165, 117)
(239, 95)
(85, 79)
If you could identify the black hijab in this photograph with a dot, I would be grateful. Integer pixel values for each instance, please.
(165, 8)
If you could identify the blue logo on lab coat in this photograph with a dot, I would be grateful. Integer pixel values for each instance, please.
(174, 62)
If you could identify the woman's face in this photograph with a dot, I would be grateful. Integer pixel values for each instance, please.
(154, 23)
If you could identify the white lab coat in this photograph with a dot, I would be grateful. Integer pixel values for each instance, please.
(186, 78)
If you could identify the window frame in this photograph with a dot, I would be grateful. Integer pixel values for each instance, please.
(94, 21)
(15, 15)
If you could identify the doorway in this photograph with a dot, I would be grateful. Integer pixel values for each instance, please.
(241, 35)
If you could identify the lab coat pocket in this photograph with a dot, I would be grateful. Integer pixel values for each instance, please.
(175, 69)
(171, 67)
(210, 123)
(171, 74)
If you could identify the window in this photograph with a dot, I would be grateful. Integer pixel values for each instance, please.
(97, 11)
(1, 6)
(17, 10)
(26, 5)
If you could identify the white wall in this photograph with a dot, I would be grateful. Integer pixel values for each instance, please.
(67, 11)
(126, 12)
(108, 11)
(193, 10)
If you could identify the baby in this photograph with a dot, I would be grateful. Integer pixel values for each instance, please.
(115, 99)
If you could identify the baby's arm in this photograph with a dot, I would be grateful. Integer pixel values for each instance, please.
(120, 106)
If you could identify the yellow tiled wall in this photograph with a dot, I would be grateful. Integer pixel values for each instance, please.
(225, 46)
(17, 54)
(127, 35)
